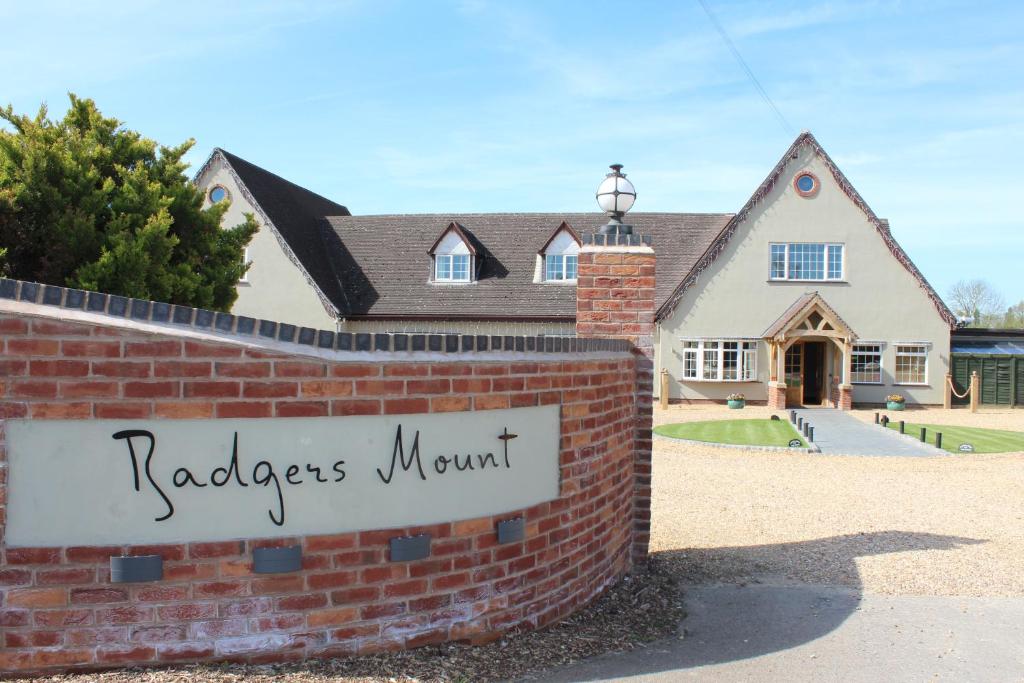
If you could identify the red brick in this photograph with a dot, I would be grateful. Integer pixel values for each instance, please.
(490, 402)
(345, 370)
(245, 607)
(13, 326)
(158, 593)
(158, 634)
(14, 617)
(216, 549)
(124, 654)
(212, 389)
(405, 588)
(33, 556)
(270, 389)
(58, 368)
(37, 597)
(62, 657)
(93, 349)
(445, 404)
(89, 389)
(355, 595)
(170, 552)
(65, 575)
(182, 369)
(301, 408)
(471, 385)
(192, 652)
(33, 638)
(127, 411)
(327, 388)
(243, 369)
(407, 370)
(121, 368)
(13, 368)
(332, 617)
(218, 589)
(305, 601)
(245, 409)
(331, 580)
(92, 596)
(62, 617)
(152, 389)
(428, 386)
(129, 614)
(449, 582)
(334, 542)
(32, 389)
(9, 409)
(299, 369)
(355, 407)
(211, 630)
(33, 347)
(278, 622)
(15, 577)
(183, 409)
(163, 348)
(203, 350)
(277, 584)
(379, 387)
(382, 610)
(53, 327)
(400, 406)
(187, 611)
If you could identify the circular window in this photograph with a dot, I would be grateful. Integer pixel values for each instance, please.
(806, 184)
(218, 194)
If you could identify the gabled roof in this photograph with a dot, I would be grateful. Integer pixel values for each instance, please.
(800, 309)
(719, 243)
(295, 216)
(562, 227)
(384, 264)
(467, 238)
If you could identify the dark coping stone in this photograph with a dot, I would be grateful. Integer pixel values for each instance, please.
(495, 343)
(96, 302)
(520, 344)
(572, 345)
(634, 240)
(140, 309)
(557, 341)
(52, 295)
(8, 288)
(481, 342)
(531, 343)
(549, 344)
(467, 342)
(307, 335)
(588, 238)
(434, 341)
(182, 315)
(118, 306)
(74, 299)
(277, 560)
(325, 339)
(382, 342)
(286, 332)
(29, 291)
(510, 344)
(223, 321)
(344, 341)
(245, 325)
(362, 341)
(135, 569)
(511, 530)
(268, 328)
(406, 548)
(419, 342)
(401, 342)
(204, 318)
(647, 240)
(540, 343)
(161, 312)
(451, 343)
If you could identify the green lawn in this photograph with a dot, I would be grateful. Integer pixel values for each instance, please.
(740, 432)
(983, 440)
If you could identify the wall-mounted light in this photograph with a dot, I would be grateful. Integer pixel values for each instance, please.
(511, 530)
(136, 568)
(407, 548)
(277, 560)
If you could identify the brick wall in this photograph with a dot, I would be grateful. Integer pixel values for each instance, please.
(58, 609)
(615, 299)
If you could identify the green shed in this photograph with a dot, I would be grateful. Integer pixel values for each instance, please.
(998, 358)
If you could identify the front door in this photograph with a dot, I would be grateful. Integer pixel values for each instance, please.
(814, 372)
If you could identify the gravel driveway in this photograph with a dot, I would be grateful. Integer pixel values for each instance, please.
(886, 525)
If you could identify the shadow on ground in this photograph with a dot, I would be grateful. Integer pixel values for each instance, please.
(732, 615)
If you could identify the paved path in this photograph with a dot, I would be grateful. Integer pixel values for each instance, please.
(816, 633)
(837, 432)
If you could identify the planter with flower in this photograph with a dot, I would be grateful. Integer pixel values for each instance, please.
(895, 402)
(736, 401)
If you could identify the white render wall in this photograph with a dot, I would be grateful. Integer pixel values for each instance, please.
(275, 288)
(880, 300)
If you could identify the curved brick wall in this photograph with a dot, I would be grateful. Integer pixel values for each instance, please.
(58, 608)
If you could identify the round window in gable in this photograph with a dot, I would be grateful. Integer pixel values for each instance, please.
(218, 194)
(806, 184)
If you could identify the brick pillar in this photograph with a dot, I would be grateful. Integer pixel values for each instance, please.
(615, 298)
(845, 397)
(777, 395)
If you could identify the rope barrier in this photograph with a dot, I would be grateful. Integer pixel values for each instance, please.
(952, 388)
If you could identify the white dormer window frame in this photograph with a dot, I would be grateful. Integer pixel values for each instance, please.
(559, 257)
(453, 258)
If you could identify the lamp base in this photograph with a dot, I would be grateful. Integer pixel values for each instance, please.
(615, 227)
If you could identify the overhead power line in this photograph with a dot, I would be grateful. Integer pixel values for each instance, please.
(742, 62)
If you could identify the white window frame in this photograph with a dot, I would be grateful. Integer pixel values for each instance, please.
(564, 258)
(881, 361)
(923, 353)
(244, 280)
(828, 246)
(450, 260)
(701, 354)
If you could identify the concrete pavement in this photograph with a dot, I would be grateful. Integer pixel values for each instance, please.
(835, 432)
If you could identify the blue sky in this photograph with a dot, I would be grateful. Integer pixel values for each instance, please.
(473, 105)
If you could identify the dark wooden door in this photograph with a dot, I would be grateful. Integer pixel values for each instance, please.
(814, 370)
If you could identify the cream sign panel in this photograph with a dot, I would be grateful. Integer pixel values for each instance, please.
(100, 482)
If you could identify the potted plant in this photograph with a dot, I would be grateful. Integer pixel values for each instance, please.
(895, 402)
(736, 401)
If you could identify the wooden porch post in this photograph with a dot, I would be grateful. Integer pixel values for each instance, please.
(975, 391)
(947, 394)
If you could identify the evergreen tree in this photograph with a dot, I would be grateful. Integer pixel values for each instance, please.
(86, 203)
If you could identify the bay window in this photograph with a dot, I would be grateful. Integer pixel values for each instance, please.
(719, 360)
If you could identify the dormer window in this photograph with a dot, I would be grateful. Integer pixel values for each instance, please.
(454, 255)
(560, 255)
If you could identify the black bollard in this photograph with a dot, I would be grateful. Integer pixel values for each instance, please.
(800, 422)
(885, 420)
(924, 435)
(938, 439)
(807, 426)
(792, 416)
(810, 436)
(903, 427)
(876, 418)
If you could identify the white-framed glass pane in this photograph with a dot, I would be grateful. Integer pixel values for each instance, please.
(778, 261)
(866, 363)
(748, 367)
(443, 268)
(793, 365)
(806, 261)
(710, 360)
(553, 267)
(835, 262)
(911, 364)
(730, 361)
(460, 267)
(571, 265)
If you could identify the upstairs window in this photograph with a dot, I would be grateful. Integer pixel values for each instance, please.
(451, 268)
(814, 261)
(560, 266)
(559, 257)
